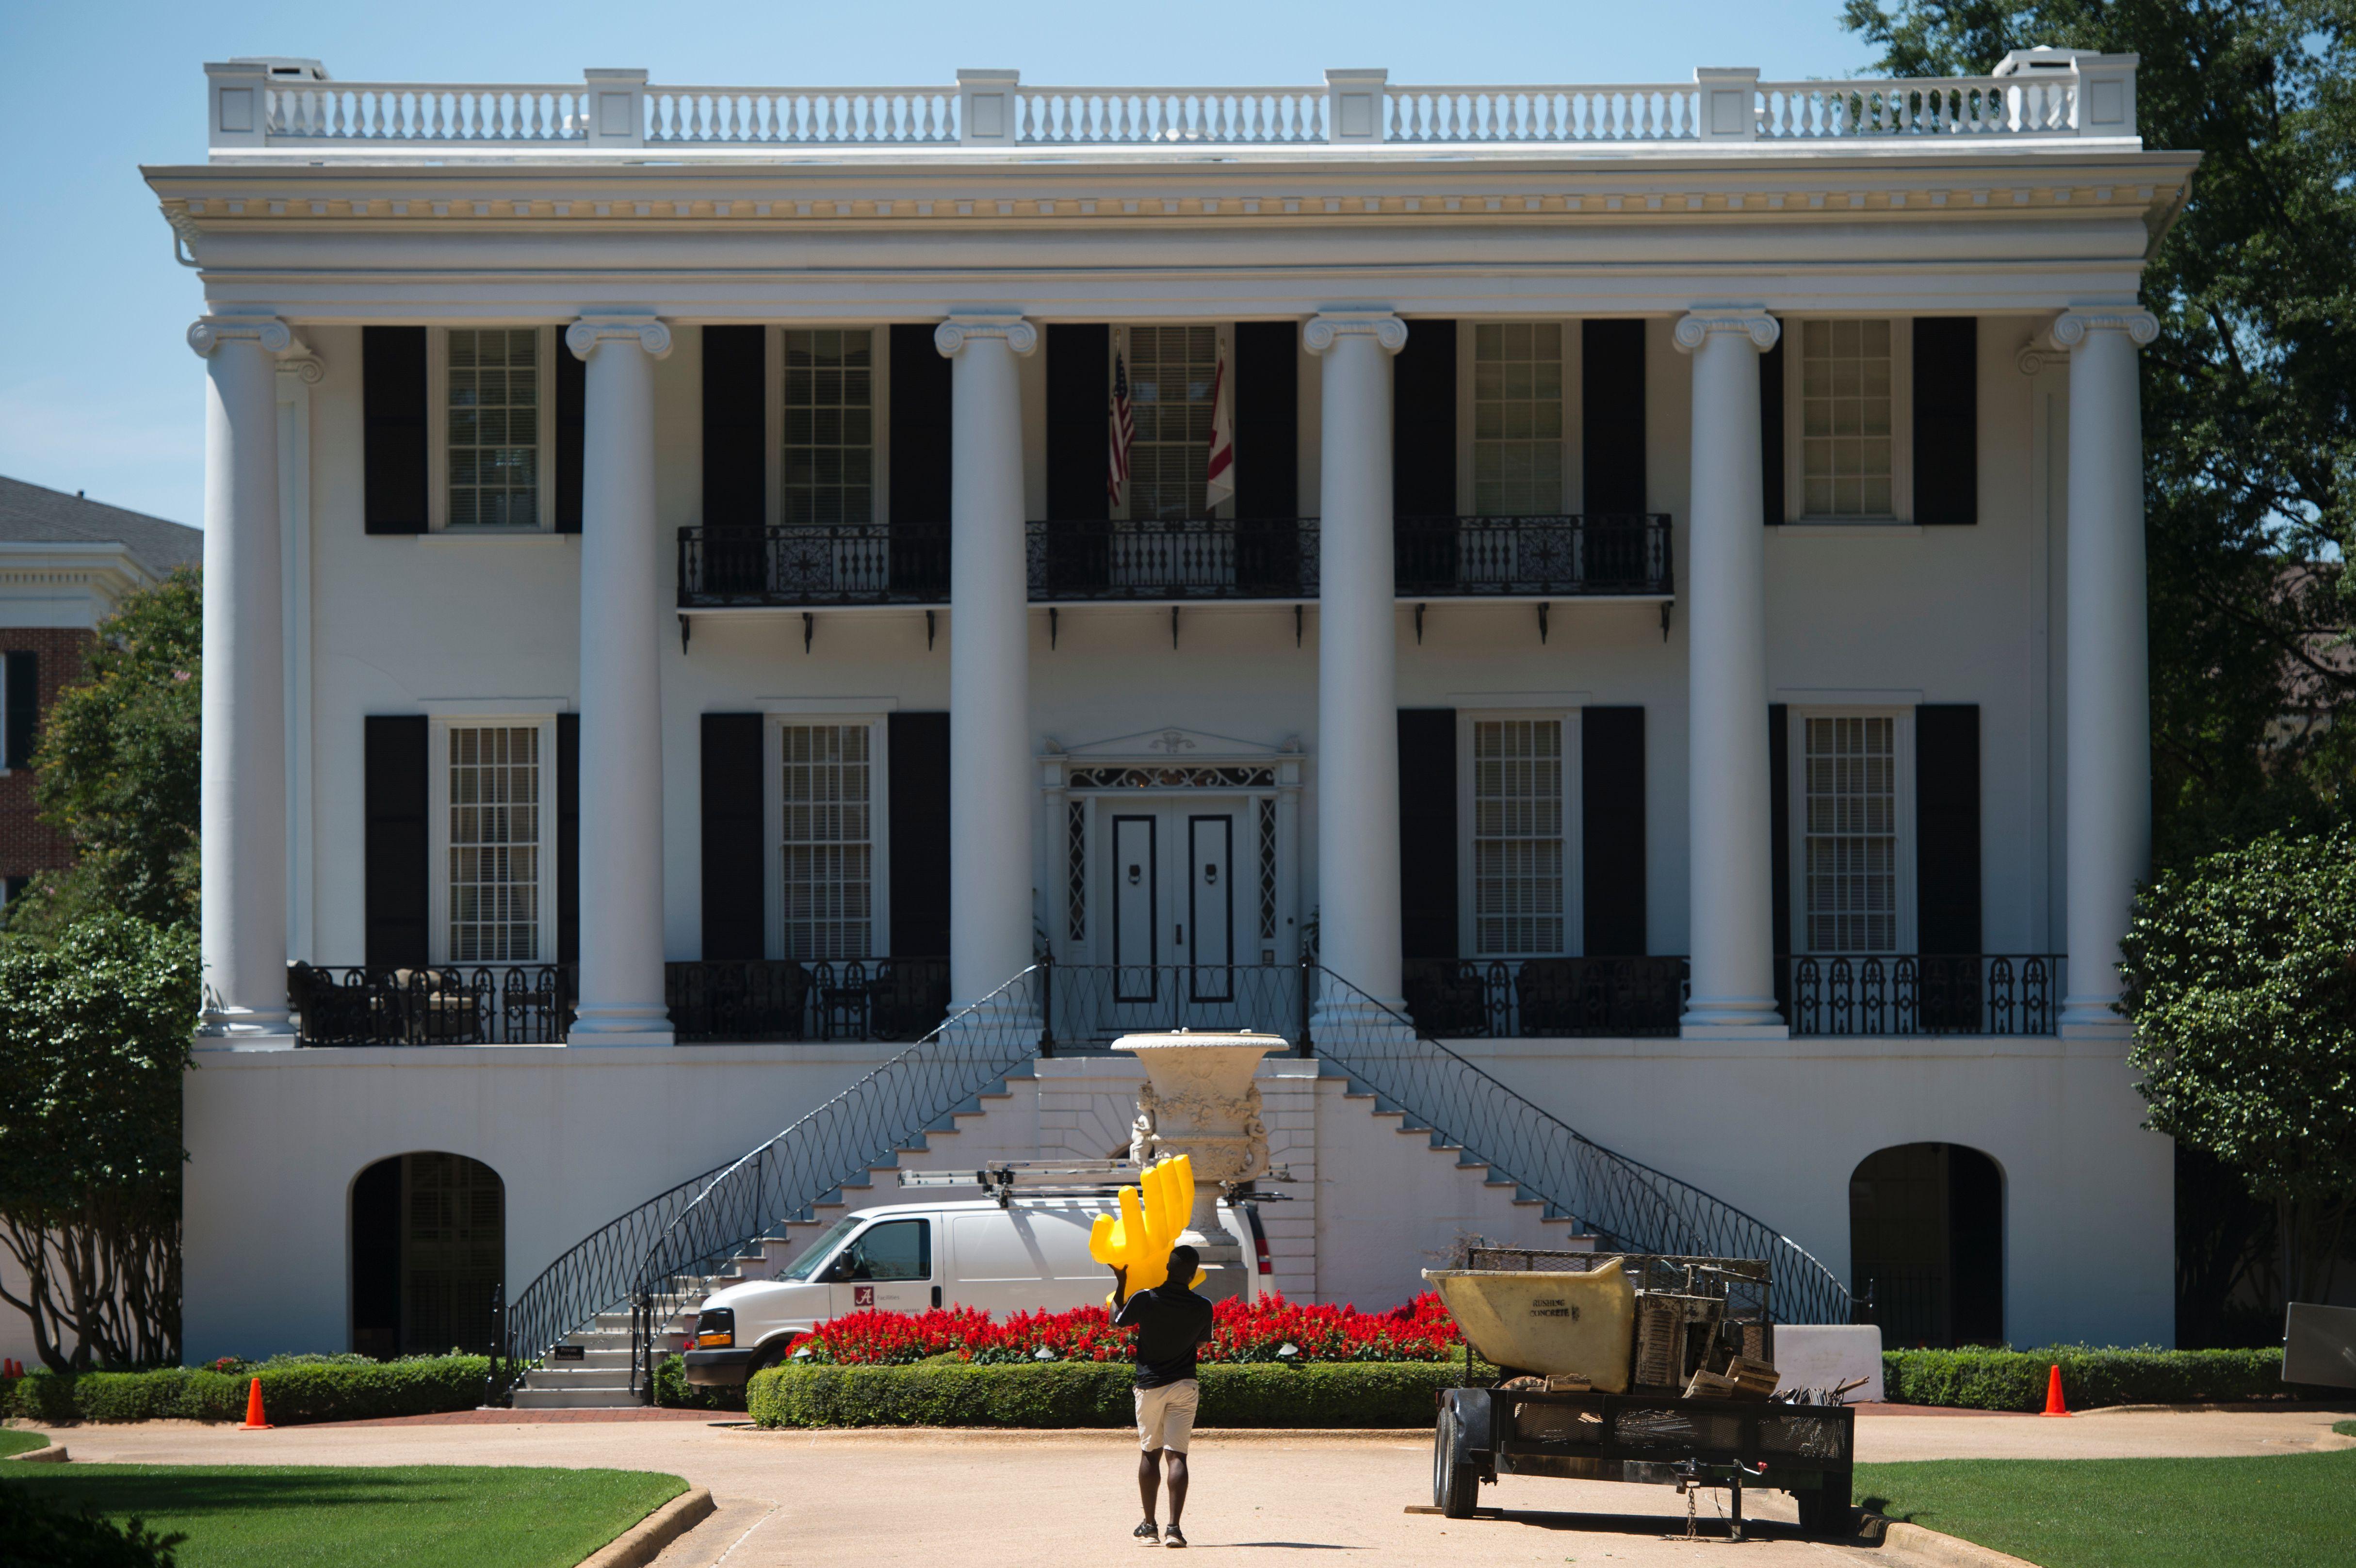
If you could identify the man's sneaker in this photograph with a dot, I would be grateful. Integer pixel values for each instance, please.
(1173, 1536)
(1148, 1534)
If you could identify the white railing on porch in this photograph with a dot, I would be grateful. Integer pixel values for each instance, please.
(292, 105)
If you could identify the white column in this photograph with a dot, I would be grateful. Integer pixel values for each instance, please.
(991, 808)
(2109, 652)
(242, 765)
(1357, 666)
(621, 988)
(1731, 920)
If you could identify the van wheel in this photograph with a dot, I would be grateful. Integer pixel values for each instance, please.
(763, 1359)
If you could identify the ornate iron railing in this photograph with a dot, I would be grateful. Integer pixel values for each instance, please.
(1178, 557)
(1913, 993)
(714, 1000)
(1087, 1006)
(445, 1004)
(1556, 556)
(1627, 1204)
(1522, 998)
(724, 564)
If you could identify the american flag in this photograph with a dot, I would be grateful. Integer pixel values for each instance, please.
(1124, 431)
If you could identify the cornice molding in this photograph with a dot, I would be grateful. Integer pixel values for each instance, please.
(1328, 327)
(647, 332)
(1754, 324)
(208, 333)
(2072, 327)
(951, 335)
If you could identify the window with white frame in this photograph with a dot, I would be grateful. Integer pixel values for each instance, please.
(826, 839)
(1517, 874)
(496, 784)
(1171, 372)
(1518, 418)
(829, 444)
(494, 395)
(1852, 896)
(1848, 407)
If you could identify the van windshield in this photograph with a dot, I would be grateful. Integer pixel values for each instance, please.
(816, 1253)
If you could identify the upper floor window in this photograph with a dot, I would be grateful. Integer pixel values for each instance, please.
(1518, 836)
(494, 387)
(827, 839)
(829, 444)
(1169, 374)
(1848, 396)
(1850, 834)
(1518, 418)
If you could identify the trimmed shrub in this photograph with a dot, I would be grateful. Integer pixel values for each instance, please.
(2015, 1379)
(1094, 1394)
(294, 1390)
(673, 1389)
(38, 1529)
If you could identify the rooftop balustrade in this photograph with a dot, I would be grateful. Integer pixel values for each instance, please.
(258, 105)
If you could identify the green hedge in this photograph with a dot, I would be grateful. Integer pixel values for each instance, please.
(1095, 1393)
(293, 1393)
(673, 1389)
(2015, 1379)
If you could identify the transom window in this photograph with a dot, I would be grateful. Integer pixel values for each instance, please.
(827, 840)
(1848, 457)
(1518, 418)
(492, 388)
(494, 788)
(830, 427)
(1517, 844)
(1169, 371)
(1850, 841)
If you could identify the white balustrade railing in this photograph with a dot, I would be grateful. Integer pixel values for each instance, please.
(290, 105)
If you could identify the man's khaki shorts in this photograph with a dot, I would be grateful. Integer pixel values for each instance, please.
(1165, 1415)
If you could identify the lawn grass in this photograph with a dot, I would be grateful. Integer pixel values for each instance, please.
(416, 1516)
(2264, 1512)
(2345, 1428)
(13, 1443)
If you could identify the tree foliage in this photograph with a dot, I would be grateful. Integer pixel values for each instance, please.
(95, 1029)
(2241, 974)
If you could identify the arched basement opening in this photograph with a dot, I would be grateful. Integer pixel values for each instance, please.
(428, 1248)
(1926, 1239)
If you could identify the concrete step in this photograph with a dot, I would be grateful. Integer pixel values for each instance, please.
(617, 1398)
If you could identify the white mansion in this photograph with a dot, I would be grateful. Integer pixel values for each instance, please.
(1644, 583)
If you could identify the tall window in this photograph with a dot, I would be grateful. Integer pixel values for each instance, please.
(1517, 852)
(1852, 834)
(493, 380)
(1845, 410)
(1170, 373)
(495, 792)
(1518, 418)
(828, 846)
(830, 439)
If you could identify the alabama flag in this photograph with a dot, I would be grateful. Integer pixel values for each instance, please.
(1221, 481)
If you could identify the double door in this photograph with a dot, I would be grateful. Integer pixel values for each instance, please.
(1168, 872)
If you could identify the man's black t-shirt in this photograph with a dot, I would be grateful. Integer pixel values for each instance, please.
(1171, 1321)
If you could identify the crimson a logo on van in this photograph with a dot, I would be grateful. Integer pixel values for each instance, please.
(862, 1295)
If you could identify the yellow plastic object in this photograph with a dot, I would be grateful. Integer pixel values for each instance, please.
(1153, 1214)
(1582, 1323)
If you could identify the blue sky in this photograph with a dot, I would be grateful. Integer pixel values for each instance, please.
(99, 392)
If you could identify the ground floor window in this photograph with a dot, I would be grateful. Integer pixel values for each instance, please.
(827, 839)
(1853, 885)
(496, 790)
(1518, 878)
(428, 1254)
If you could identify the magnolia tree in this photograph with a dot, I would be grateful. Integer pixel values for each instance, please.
(2241, 973)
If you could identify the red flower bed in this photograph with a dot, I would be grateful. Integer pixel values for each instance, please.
(1271, 1329)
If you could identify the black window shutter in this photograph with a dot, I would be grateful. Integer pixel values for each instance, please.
(920, 427)
(1079, 400)
(1423, 422)
(568, 838)
(1427, 752)
(395, 852)
(571, 434)
(1947, 828)
(1779, 844)
(1771, 435)
(1946, 420)
(24, 708)
(735, 862)
(735, 428)
(393, 421)
(1268, 420)
(1612, 830)
(919, 825)
(1611, 417)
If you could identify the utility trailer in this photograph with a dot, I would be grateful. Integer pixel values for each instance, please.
(1644, 1423)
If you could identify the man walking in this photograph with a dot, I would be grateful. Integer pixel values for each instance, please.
(1172, 1324)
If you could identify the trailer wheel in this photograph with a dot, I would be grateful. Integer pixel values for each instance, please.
(1826, 1511)
(1455, 1485)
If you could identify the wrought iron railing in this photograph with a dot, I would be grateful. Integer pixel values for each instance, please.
(1556, 556)
(1627, 1204)
(724, 564)
(1522, 999)
(444, 1004)
(1912, 993)
(714, 1000)
(1175, 558)
(1088, 1006)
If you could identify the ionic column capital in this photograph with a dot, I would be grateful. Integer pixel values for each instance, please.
(1329, 327)
(1696, 325)
(208, 333)
(2071, 328)
(951, 335)
(647, 331)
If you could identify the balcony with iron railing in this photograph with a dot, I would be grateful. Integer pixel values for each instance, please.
(723, 566)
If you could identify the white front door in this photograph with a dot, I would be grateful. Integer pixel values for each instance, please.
(1169, 879)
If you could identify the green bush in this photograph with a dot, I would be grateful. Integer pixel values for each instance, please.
(294, 1390)
(1095, 1393)
(672, 1389)
(38, 1531)
(2015, 1379)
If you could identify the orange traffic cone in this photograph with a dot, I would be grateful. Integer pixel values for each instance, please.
(253, 1422)
(2053, 1405)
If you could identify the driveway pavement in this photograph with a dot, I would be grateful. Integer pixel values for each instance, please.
(993, 1499)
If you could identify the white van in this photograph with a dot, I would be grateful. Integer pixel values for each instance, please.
(1031, 1254)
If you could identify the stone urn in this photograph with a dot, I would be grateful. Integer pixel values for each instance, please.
(1199, 1100)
